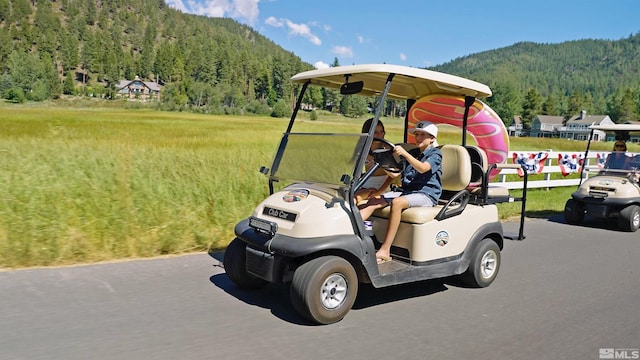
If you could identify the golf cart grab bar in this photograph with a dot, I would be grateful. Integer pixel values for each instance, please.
(459, 200)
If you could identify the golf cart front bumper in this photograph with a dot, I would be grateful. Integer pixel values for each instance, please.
(602, 206)
(273, 257)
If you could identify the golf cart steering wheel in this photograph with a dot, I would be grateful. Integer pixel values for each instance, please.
(385, 157)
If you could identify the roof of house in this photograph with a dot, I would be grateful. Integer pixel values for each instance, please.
(587, 120)
(549, 119)
(150, 84)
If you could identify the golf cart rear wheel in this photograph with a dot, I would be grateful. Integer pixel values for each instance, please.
(484, 265)
(235, 265)
(573, 212)
(629, 219)
(323, 290)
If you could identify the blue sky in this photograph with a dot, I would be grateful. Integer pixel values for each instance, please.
(419, 33)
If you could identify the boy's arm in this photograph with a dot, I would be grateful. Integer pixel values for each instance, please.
(421, 167)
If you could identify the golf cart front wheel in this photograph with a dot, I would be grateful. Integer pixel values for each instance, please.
(484, 265)
(324, 289)
(235, 265)
(573, 212)
(629, 219)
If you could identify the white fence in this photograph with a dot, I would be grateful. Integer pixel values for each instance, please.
(551, 166)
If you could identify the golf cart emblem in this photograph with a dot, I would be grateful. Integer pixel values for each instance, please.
(442, 238)
(606, 182)
(295, 195)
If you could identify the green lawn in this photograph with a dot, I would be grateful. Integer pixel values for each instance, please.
(91, 184)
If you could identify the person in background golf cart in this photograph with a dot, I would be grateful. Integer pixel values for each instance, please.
(421, 184)
(618, 158)
(379, 182)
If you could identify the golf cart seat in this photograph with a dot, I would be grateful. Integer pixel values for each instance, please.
(479, 172)
(456, 175)
(479, 165)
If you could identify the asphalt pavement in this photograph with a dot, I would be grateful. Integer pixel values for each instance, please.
(565, 292)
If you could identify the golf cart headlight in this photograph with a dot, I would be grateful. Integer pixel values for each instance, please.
(263, 226)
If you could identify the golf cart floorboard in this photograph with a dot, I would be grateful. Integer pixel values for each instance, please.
(397, 272)
(392, 267)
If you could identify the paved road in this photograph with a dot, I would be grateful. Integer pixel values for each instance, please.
(565, 292)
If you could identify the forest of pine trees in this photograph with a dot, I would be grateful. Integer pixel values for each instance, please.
(51, 48)
(528, 79)
(79, 47)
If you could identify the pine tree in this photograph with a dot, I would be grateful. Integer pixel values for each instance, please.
(531, 107)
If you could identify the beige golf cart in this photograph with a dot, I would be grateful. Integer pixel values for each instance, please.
(614, 192)
(309, 233)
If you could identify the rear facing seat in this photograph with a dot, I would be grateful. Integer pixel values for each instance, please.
(456, 176)
(479, 167)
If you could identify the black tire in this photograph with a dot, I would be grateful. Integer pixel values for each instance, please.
(629, 219)
(235, 265)
(324, 289)
(484, 265)
(573, 212)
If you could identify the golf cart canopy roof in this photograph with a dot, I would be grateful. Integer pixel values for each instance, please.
(616, 127)
(408, 82)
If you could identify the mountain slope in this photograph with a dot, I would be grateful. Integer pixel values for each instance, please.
(597, 66)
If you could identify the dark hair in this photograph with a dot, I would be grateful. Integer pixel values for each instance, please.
(620, 143)
(367, 125)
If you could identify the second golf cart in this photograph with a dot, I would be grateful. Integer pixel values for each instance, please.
(309, 233)
(614, 192)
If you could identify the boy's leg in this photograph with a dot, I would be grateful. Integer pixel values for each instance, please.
(397, 205)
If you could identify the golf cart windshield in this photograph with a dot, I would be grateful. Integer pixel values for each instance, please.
(621, 160)
(618, 162)
(318, 158)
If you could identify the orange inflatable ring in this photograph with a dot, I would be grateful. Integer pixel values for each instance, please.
(483, 124)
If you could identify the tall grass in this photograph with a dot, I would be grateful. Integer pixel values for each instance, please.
(91, 184)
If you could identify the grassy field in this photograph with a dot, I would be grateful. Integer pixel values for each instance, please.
(90, 184)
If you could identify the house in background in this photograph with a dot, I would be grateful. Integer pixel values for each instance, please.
(515, 128)
(137, 89)
(546, 126)
(577, 128)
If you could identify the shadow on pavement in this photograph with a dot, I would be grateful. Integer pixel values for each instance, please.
(276, 297)
(588, 222)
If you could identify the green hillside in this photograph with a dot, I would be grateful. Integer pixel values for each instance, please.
(215, 65)
(600, 76)
(79, 47)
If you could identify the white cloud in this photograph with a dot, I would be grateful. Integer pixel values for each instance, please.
(238, 9)
(177, 4)
(343, 51)
(403, 57)
(360, 39)
(246, 9)
(302, 30)
(295, 29)
(211, 8)
(274, 22)
(321, 65)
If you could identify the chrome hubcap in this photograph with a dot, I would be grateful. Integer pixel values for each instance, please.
(488, 264)
(333, 291)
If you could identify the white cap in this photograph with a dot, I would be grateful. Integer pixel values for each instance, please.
(425, 126)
